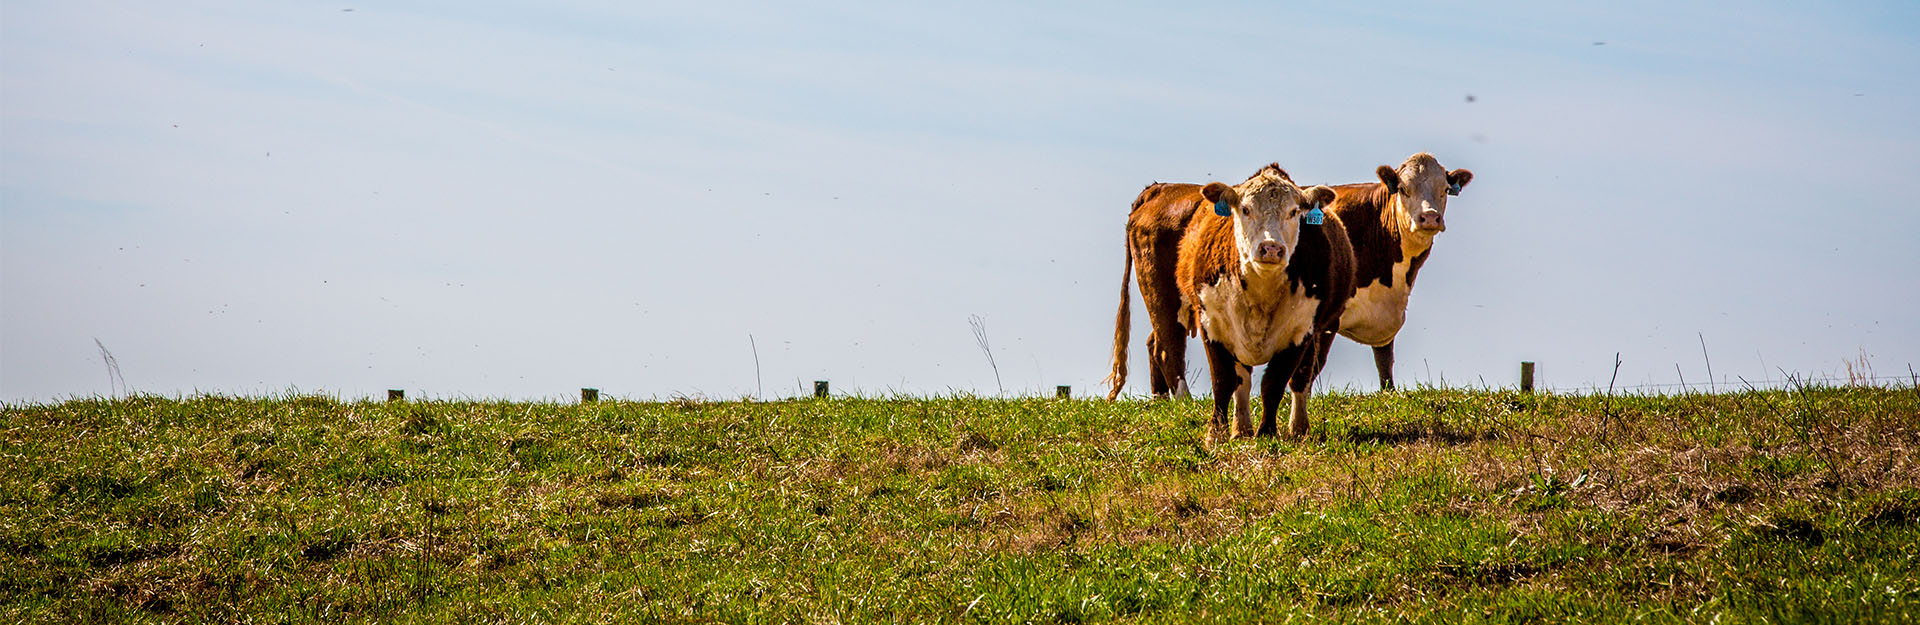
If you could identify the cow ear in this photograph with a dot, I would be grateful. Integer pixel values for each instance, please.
(1319, 196)
(1389, 177)
(1223, 197)
(1457, 180)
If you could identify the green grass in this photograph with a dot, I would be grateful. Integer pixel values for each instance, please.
(1433, 506)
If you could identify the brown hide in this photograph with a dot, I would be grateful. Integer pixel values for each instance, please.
(1319, 271)
(1155, 226)
(1375, 233)
(1322, 264)
(1154, 229)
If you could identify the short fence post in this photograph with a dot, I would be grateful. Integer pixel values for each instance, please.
(820, 388)
(1064, 391)
(394, 394)
(1526, 376)
(589, 395)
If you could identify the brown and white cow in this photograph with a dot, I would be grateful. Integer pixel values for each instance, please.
(1262, 287)
(1391, 224)
(1155, 227)
(1391, 232)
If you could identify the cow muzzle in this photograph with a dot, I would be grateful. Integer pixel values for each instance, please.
(1430, 220)
(1269, 252)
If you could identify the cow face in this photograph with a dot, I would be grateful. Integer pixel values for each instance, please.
(1266, 212)
(1419, 189)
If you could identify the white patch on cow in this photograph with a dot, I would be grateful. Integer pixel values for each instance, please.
(1375, 313)
(1253, 227)
(1258, 321)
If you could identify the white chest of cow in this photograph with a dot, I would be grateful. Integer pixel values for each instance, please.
(1376, 312)
(1256, 318)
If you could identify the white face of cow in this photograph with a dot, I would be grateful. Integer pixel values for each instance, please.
(1266, 212)
(1419, 189)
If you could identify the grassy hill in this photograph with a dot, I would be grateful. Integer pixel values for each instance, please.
(1439, 506)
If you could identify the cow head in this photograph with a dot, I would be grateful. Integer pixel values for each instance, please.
(1266, 212)
(1418, 190)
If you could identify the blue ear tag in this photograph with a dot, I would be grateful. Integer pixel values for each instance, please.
(1314, 217)
(1453, 188)
(1220, 208)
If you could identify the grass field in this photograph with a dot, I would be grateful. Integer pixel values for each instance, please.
(1438, 506)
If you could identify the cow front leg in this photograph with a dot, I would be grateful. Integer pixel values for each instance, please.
(1285, 365)
(1383, 360)
(1226, 384)
(1301, 383)
(1320, 353)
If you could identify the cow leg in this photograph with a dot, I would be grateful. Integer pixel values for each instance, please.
(1302, 384)
(1320, 355)
(1226, 384)
(1285, 365)
(1173, 364)
(1270, 387)
(1243, 406)
(1156, 379)
(1170, 353)
(1383, 360)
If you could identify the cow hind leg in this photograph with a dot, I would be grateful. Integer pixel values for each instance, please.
(1270, 388)
(1383, 361)
(1156, 378)
(1243, 404)
(1172, 365)
(1170, 352)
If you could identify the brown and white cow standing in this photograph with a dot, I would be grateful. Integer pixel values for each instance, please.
(1391, 229)
(1391, 224)
(1263, 287)
(1155, 227)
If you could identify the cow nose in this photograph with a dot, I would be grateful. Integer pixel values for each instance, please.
(1432, 220)
(1269, 251)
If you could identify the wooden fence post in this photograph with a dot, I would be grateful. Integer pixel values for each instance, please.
(589, 395)
(394, 394)
(1526, 376)
(1064, 391)
(820, 388)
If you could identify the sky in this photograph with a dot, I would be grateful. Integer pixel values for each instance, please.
(500, 200)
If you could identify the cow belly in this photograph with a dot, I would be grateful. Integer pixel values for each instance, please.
(1252, 331)
(1375, 314)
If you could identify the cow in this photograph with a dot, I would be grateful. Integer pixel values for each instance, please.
(1155, 226)
(1263, 275)
(1391, 224)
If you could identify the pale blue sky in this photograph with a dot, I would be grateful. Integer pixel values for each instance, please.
(504, 200)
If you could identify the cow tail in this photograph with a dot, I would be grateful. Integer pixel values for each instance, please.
(1122, 326)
